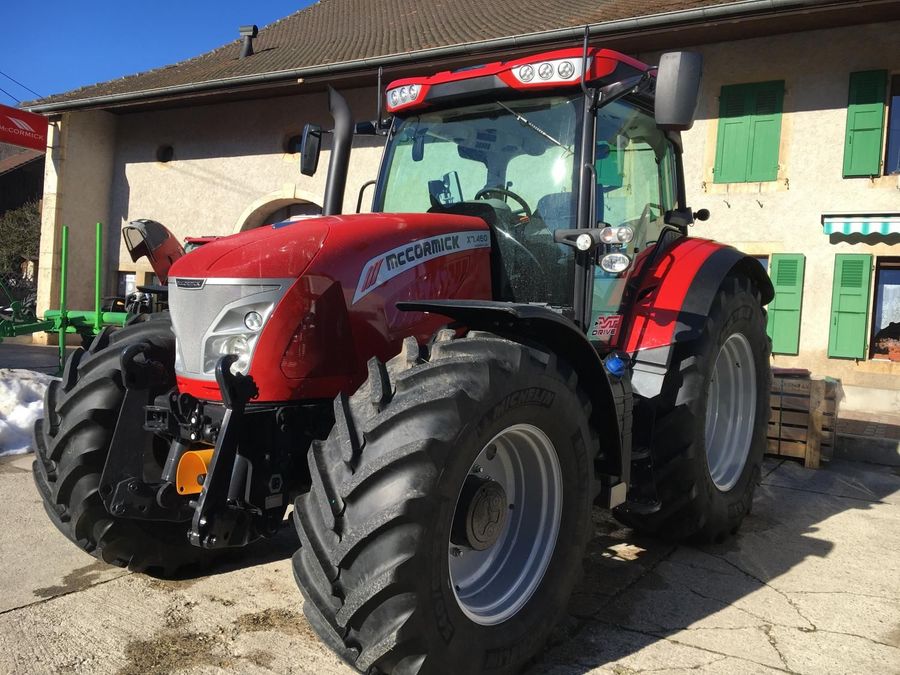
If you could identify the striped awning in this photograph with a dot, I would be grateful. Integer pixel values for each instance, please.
(862, 224)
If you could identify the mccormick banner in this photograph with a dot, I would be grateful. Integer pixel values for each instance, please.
(22, 128)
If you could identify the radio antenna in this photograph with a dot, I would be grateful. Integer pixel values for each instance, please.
(584, 56)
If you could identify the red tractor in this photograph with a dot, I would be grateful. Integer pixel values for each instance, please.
(442, 388)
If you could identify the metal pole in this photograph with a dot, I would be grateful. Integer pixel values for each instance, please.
(98, 274)
(63, 275)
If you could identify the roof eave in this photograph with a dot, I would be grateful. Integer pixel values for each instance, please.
(727, 11)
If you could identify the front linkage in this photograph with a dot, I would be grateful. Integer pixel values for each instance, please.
(241, 489)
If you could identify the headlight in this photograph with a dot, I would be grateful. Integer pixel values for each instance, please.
(238, 345)
(253, 321)
(608, 235)
(615, 263)
(616, 235)
(625, 234)
(584, 242)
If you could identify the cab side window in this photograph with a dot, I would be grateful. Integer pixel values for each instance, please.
(635, 172)
(635, 168)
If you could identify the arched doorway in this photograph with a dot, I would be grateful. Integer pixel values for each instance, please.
(299, 208)
(277, 206)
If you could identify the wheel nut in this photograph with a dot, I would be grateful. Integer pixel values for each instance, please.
(456, 552)
(476, 469)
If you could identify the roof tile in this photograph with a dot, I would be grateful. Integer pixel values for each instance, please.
(337, 31)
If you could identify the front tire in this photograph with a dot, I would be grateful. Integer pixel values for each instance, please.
(384, 543)
(73, 440)
(711, 421)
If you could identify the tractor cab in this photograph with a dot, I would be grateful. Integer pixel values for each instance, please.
(539, 147)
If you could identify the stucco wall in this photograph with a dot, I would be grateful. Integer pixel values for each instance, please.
(784, 216)
(228, 165)
(77, 176)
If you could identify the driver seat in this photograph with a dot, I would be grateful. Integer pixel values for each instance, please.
(557, 210)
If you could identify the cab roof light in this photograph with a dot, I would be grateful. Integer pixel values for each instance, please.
(403, 96)
(551, 71)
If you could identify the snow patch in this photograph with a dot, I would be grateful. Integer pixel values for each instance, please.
(21, 403)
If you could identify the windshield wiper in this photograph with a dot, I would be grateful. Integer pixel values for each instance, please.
(531, 125)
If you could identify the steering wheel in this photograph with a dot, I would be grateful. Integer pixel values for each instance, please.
(485, 193)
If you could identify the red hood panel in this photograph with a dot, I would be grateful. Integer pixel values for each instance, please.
(284, 251)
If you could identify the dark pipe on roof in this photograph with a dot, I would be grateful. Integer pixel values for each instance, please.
(248, 33)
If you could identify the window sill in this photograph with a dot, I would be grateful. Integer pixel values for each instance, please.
(763, 187)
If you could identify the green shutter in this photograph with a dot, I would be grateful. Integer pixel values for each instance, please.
(749, 132)
(786, 270)
(733, 142)
(849, 306)
(765, 132)
(865, 123)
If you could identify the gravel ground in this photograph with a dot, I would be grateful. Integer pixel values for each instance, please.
(810, 585)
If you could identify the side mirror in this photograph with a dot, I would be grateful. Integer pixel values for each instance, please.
(310, 148)
(677, 90)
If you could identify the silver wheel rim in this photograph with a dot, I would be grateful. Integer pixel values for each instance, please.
(494, 584)
(730, 411)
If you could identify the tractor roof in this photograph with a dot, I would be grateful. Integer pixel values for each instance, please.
(538, 72)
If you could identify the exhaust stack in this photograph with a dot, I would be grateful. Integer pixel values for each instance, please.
(342, 139)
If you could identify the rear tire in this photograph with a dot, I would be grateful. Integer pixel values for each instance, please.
(705, 478)
(72, 442)
(375, 564)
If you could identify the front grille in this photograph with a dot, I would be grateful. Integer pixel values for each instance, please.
(200, 310)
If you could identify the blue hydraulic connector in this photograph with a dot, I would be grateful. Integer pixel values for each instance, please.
(617, 363)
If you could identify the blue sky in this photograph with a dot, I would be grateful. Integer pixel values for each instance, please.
(58, 45)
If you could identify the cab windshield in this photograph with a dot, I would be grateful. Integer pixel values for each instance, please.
(512, 163)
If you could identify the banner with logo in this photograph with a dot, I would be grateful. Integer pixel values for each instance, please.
(22, 128)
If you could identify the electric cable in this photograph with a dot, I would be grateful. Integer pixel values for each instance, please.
(9, 77)
(10, 95)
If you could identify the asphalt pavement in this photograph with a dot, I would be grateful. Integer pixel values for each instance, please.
(809, 585)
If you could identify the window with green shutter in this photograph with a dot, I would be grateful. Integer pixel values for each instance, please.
(849, 305)
(786, 271)
(865, 123)
(749, 132)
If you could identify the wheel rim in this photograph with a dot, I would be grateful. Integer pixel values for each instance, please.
(730, 411)
(493, 584)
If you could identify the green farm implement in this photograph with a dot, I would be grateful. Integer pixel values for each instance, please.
(18, 320)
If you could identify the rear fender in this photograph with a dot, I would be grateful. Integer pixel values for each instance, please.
(673, 301)
(611, 400)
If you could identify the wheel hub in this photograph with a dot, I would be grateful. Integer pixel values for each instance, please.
(504, 527)
(480, 513)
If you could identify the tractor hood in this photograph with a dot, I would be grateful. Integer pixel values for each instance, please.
(285, 250)
(282, 250)
(315, 291)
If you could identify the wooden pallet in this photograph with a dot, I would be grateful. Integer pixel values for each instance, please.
(803, 418)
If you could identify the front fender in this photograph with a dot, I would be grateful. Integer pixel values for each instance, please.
(672, 302)
(611, 400)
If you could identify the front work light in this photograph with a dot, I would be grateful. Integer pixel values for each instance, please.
(584, 242)
(615, 263)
